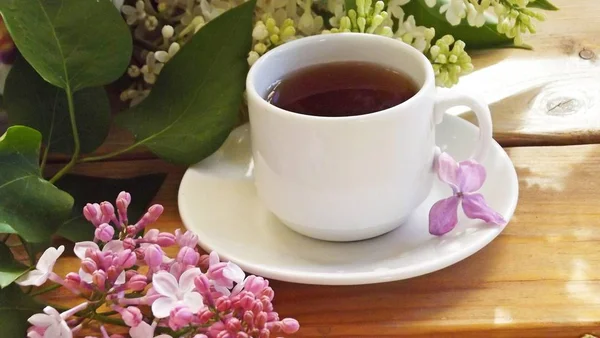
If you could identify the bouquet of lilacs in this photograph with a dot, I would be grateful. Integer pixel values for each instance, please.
(161, 27)
(127, 279)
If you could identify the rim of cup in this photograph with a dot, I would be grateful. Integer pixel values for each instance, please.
(311, 40)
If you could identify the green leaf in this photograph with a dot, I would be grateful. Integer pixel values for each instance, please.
(475, 37)
(30, 205)
(15, 308)
(542, 4)
(72, 44)
(195, 102)
(86, 189)
(6, 229)
(10, 269)
(35, 103)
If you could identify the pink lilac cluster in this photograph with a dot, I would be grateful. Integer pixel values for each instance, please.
(191, 295)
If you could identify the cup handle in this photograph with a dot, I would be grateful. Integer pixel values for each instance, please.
(453, 98)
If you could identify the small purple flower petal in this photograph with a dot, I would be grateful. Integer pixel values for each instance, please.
(474, 206)
(470, 176)
(442, 216)
(447, 170)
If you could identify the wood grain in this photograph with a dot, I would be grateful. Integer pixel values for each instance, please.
(539, 278)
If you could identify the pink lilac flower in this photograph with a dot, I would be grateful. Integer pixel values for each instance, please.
(174, 293)
(224, 274)
(43, 268)
(187, 238)
(465, 178)
(52, 324)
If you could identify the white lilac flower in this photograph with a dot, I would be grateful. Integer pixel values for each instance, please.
(164, 57)
(309, 24)
(336, 7)
(394, 7)
(455, 10)
(514, 21)
(151, 23)
(134, 14)
(174, 293)
(417, 36)
(209, 10)
(430, 3)
(151, 69)
(52, 323)
(43, 268)
(474, 17)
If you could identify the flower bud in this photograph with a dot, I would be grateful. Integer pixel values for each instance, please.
(137, 283)
(261, 320)
(165, 239)
(268, 292)
(272, 316)
(205, 316)
(132, 316)
(179, 317)
(242, 335)
(202, 284)
(188, 256)
(108, 211)
(153, 256)
(290, 325)
(104, 232)
(124, 259)
(99, 279)
(72, 280)
(264, 333)
(167, 31)
(246, 302)
(257, 307)
(112, 273)
(223, 304)
(92, 213)
(234, 325)
(132, 230)
(129, 243)
(249, 318)
(123, 201)
(88, 265)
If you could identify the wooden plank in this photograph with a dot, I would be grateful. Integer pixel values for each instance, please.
(550, 95)
(539, 278)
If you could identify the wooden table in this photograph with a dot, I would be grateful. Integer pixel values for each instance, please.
(541, 277)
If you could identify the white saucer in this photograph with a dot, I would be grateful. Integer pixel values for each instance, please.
(217, 201)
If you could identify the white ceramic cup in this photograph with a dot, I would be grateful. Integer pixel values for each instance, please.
(355, 177)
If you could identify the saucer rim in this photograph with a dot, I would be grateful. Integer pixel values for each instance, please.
(366, 277)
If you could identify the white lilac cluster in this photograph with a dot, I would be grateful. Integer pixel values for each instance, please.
(514, 18)
(161, 27)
